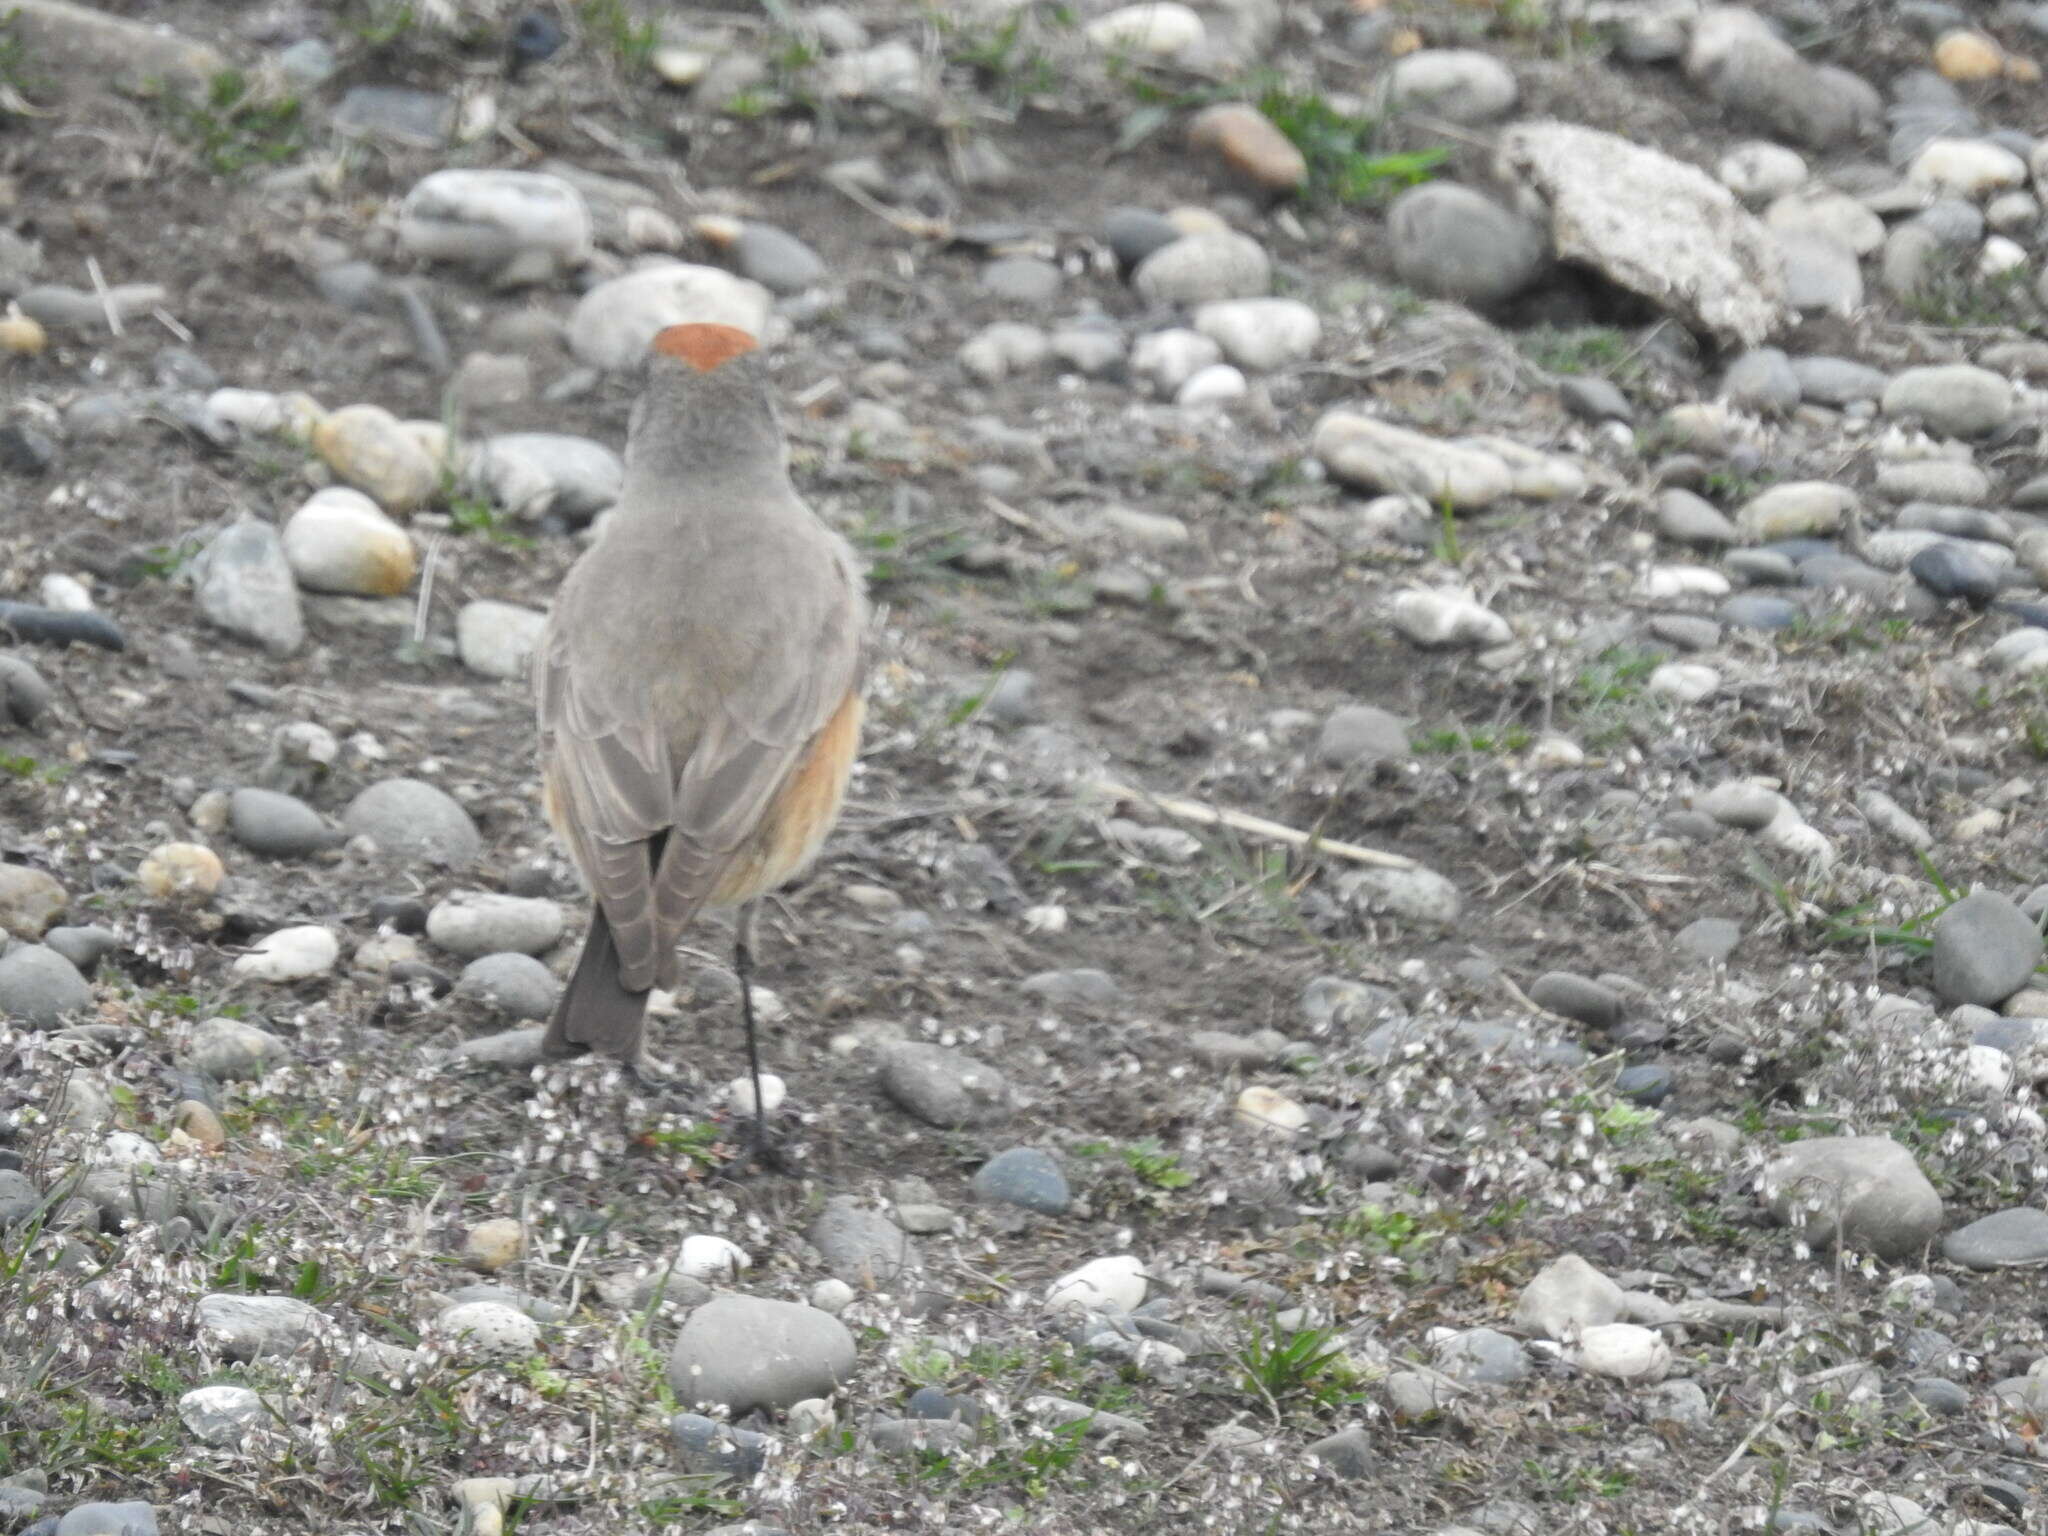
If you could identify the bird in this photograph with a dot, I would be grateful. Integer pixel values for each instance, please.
(698, 688)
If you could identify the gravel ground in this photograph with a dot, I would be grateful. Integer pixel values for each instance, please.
(1437, 928)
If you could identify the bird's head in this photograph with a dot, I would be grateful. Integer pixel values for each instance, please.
(707, 394)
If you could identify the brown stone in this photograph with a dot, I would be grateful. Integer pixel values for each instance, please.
(1249, 142)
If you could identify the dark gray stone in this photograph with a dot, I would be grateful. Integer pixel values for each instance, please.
(1027, 1177)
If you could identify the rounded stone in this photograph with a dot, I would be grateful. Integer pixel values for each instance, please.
(1024, 1176)
(412, 819)
(476, 923)
(1203, 268)
(741, 1353)
(40, 988)
(515, 986)
(341, 541)
(278, 825)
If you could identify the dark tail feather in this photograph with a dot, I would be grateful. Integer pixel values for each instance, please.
(597, 1012)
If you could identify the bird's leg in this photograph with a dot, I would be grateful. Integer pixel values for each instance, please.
(759, 1149)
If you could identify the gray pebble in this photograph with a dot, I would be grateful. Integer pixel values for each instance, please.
(84, 947)
(1985, 948)
(747, 1352)
(943, 1087)
(1135, 233)
(246, 587)
(1358, 735)
(1648, 1085)
(129, 1518)
(1348, 1454)
(412, 819)
(40, 988)
(860, 1245)
(1594, 398)
(776, 259)
(1576, 997)
(1709, 938)
(2016, 1238)
(1482, 1355)
(1024, 1176)
(516, 986)
(1071, 989)
(1022, 280)
(711, 1448)
(279, 825)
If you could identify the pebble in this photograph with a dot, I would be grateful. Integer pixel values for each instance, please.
(1023, 280)
(1156, 29)
(253, 1327)
(1261, 334)
(278, 825)
(614, 323)
(1211, 386)
(372, 450)
(1566, 1297)
(129, 1518)
(1954, 399)
(1934, 480)
(1205, 268)
(773, 257)
(290, 954)
(1688, 519)
(1169, 358)
(1760, 170)
(861, 1245)
(1985, 949)
(1623, 1351)
(743, 1353)
(1132, 234)
(707, 1257)
(30, 900)
(1348, 1454)
(1026, 1177)
(1973, 168)
(1796, 509)
(1949, 570)
(494, 1244)
(533, 475)
(943, 1087)
(472, 924)
(1359, 735)
(1458, 244)
(1269, 1110)
(1594, 398)
(516, 226)
(1114, 1284)
(1481, 1356)
(1448, 620)
(1248, 142)
(245, 586)
(1459, 85)
(711, 1448)
(1866, 1190)
(231, 1051)
(516, 986)
(85, 947)
(1576, 997)
(2010, 1239)
(412, 819)
(1376, 455)
(40, 988)
(221, 1415)
(181, 872)
(1712, 939)
(486, 1333)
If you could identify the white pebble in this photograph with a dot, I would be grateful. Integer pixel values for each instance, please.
(487, 1332)
(740, 1093)
(1216, 383)
(833, 1296)
(707, 1257)
(1625, 1351)
(1114, 1284)
(290, 954)
(1687, 681)
(1268, 1109)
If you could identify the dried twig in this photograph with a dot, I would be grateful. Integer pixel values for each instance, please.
(99, 286)
(1254, 826)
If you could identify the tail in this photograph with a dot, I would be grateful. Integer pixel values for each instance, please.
(597, 1011)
